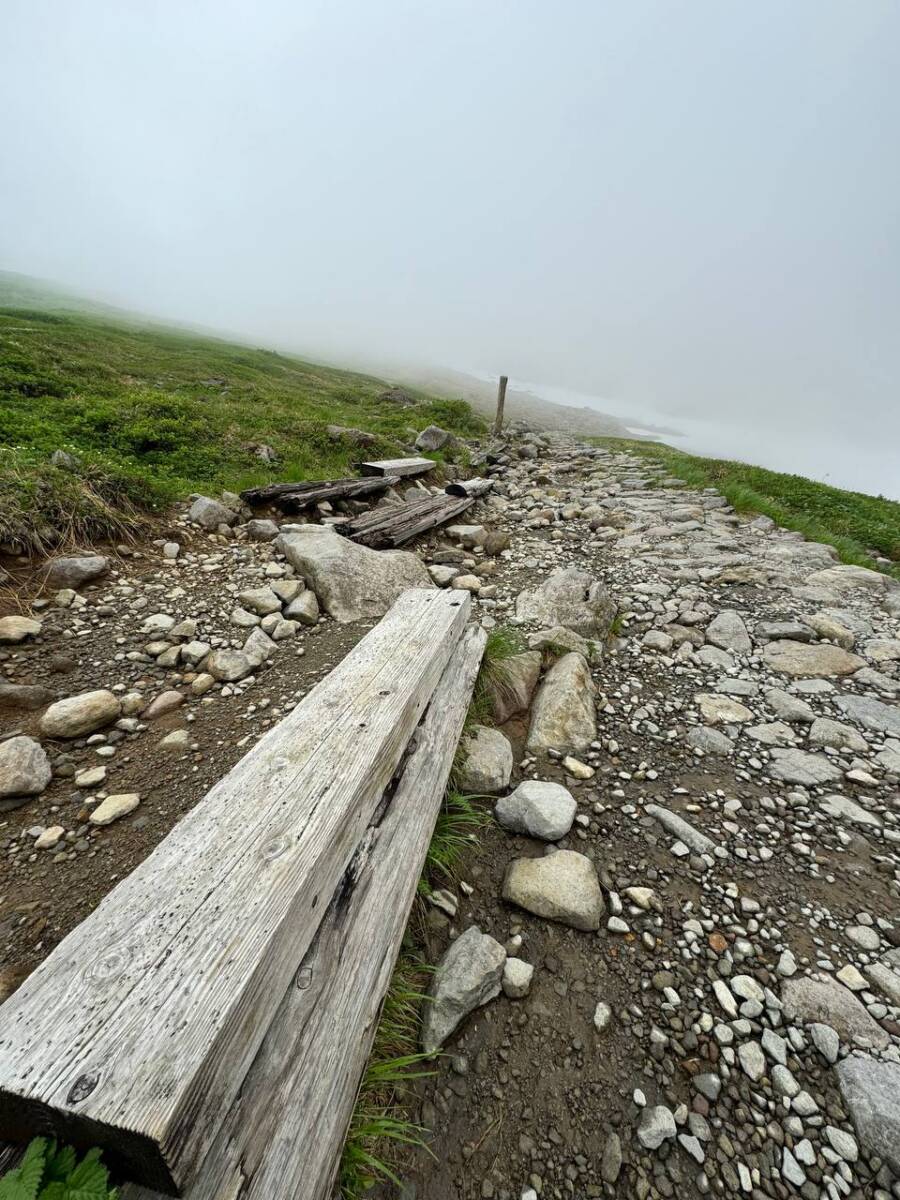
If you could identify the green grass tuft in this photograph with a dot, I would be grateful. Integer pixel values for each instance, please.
(456, 831)
(857, 525)
(380, 1129)
(502, 643)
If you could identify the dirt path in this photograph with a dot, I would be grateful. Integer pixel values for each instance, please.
(706, 1076)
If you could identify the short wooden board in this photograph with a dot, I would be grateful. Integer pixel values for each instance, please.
(397, 466)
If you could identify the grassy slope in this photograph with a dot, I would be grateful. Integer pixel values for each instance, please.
(855, 524)
(154, 414)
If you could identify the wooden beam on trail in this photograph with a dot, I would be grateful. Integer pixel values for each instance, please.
(397, 466)
(136, 1033)
(284, 1134)
(469, 487)
(385, 528)
(291, 497)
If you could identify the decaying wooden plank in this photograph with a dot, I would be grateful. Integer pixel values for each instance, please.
(469, 487)
(384, 528)
(291, 497)
(137, 1031)
(397, 466)
(283, 1135)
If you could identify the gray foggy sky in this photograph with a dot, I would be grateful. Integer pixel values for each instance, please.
(690, 205)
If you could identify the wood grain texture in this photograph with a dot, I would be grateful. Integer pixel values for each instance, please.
(284, 1133)
(292, 497)
(386, 528)
(469, 487)
(397, 466)
(137, 1031)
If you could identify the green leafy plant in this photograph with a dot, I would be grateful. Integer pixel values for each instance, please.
(51, 1172)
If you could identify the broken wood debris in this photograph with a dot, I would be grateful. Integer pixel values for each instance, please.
(291, 497)
(469, 487)
(385, 528)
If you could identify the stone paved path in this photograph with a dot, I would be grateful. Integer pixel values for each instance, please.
(733, 1026)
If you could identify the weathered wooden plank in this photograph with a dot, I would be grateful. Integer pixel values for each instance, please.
(137, 1031)
(397, 466)
(389, 527)
(283, 1135)
(386, 515)
(293, 496)
(469, 487)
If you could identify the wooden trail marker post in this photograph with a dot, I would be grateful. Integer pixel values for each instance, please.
(501, 401)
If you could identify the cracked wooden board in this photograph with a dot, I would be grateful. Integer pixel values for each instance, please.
(136, 1033)
(284, 1133)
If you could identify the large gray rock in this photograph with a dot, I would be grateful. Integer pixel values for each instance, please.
(825, 732)
(563, 716)
(260, 600)
(303, 608)
(797, 766)
(75, 571)
(822, 1000)
(487, 761)
(228, 666)
(843, 579)
(842, 808)
(710, 741)
(804, 661)
(570, 598)
(210, 513)
(789, 707)
(871, 713)
(77, 716)
(728, 632)
(351, 582)
(657, 1124)
(884, 979)
(261, 529)
(561, 887)
(467, 976)
(16, 629)
(558, 641)
(510, 683)
(25, 697)
(871, 1091)
(433, 438)
(24, 768)
(538, 809)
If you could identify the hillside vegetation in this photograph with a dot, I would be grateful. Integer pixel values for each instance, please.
(860, 527)
(152, 414)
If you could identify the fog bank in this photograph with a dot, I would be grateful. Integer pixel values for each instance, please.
(679, 206)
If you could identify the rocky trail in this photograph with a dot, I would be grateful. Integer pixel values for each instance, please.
(672, 963)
